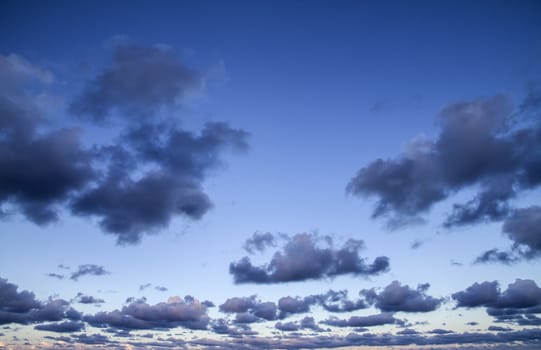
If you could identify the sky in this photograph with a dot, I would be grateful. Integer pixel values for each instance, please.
(270, 174)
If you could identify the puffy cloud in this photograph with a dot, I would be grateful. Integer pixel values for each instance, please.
(140, 81)
(13, 301)
(129, 207)
(250, 309)
(150, 172)
(524, 228)
(518, 295)
(517, 304)
(302, 259)
(88, 270)
(478, 294)
(289, 305)
(176, 312)
(238, 304)
(397, 297)
(480, 143)
(22, 307)
(37, 191)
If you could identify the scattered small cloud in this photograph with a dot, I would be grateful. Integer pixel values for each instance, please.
(88, 270)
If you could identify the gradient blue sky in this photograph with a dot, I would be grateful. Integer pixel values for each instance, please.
(324, 89)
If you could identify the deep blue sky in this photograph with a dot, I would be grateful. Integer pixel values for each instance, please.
(144, 145)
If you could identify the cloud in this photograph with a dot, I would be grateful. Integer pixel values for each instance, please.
(362, 321)
(87, 299)
(480, 144)
(22, 307)
(289, 305)
(140, 81)
(13, 301)
(397, 297)
(524, 228)
(176, 312)
(88, 270)
(37, 191)
(249, 309)
(517, 304)
(151, 171)
(63, 327)
(55, 275)
(129, 207)
(259, 242)
(305, 323)
(525, 338)
(144, 286)
(238, 304)
(302, 259)
(337, 301)
(497, 256)
(148, 285)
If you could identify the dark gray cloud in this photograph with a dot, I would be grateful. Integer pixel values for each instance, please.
(88, 270)
(140, 81)
(35, 191)
(289, 305)
(129, 207)
(480, 143)
(397, 297)
(13, 301)
(151, 171)
(238, 304)
(302, 259)
(87, 299)
(337, 301)
(362, 321)
(249, 309)
(523, 227)
(22, 307)
(176, 312)
(305, 323)
(517, 304)
(62, 327)
(259, 242)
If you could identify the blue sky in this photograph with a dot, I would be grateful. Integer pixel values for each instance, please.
(252, 175)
